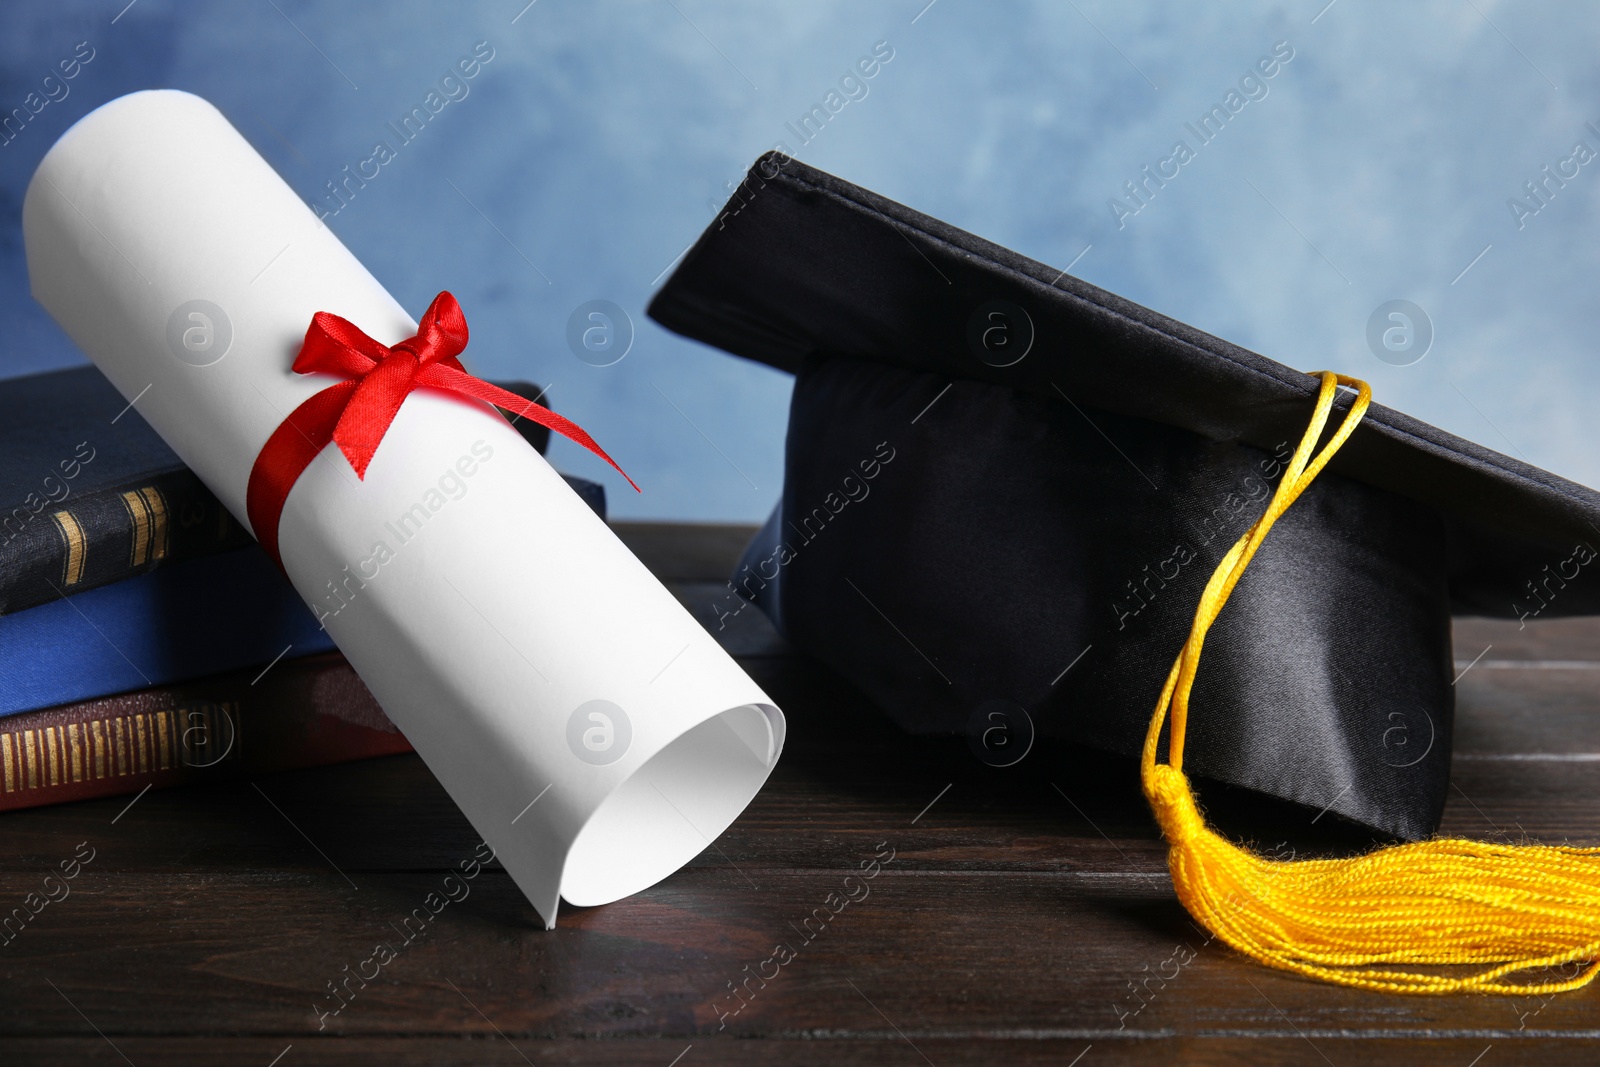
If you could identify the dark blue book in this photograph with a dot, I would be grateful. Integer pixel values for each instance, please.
(221, 612)
(89, 494)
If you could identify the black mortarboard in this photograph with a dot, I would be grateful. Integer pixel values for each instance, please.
(1006, 485)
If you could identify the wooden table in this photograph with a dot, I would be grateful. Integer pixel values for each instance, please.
(1020, 910)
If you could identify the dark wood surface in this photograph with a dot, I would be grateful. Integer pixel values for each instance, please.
(1020, 906)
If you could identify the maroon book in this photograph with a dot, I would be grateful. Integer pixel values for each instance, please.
(302, 712)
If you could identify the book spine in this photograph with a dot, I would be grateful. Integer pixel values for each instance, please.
(302, 713)
(112, 534)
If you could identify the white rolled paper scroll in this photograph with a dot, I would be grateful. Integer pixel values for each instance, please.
(594, 734)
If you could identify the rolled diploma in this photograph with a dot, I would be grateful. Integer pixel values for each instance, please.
(485, 611)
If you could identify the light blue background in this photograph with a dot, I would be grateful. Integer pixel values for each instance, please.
(600, 136)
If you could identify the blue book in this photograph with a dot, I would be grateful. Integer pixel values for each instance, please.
(216, 613)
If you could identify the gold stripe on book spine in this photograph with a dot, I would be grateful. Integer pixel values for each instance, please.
(75, 747)
(119, 746)
(5, 753)
(158, 520)
(30, 751)
(139, 515)
(163, 738)
(50, 754)
(97, 729)
(141, 759)
(72, 534)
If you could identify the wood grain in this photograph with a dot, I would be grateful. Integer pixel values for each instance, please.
(1026, 916)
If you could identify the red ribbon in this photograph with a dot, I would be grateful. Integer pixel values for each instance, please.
(357, 412)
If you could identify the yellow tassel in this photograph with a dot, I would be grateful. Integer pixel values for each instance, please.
(1500, 909)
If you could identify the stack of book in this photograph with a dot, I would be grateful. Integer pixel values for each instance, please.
(145, 639)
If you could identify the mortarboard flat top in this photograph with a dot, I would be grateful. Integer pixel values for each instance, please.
(1008, 533)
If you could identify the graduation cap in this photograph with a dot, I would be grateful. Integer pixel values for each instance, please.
(1006, 488)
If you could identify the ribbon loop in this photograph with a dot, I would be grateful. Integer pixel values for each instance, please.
(441, 335)
(356, 412)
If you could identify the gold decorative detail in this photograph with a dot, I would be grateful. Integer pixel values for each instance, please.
(75, 748)
(141, 760)
(163, 721)
(72, 569)
(157, 506)
(51, 754)
(139, 516)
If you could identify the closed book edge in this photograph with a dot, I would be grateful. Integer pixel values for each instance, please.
(84, 542)
(303, 712)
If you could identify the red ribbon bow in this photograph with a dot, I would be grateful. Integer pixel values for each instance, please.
(357, 412)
